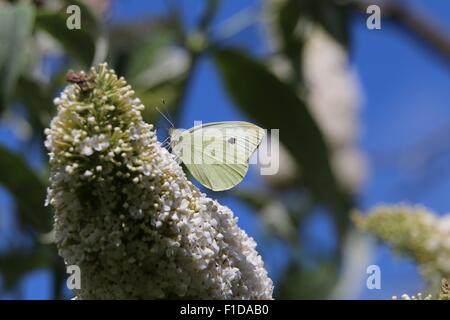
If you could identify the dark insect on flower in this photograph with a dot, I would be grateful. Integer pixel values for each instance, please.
(79, 78)
(76, 77)
(445, 290)
(445, 286)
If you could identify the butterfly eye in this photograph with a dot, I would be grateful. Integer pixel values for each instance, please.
(232, 140)
(180, 139)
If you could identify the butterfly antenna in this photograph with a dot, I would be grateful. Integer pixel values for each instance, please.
(168, 120)
(166, 140)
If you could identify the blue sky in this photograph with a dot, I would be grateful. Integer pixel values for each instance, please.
(406, 89)
(406, 97)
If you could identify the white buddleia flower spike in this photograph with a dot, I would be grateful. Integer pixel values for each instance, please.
(417, 233)
(125, 212)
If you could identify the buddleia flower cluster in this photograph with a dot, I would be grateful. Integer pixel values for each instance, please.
(445, 290)
(125, 213)
(416, 233)
(444, 294)
(419, 296)
(329, 86)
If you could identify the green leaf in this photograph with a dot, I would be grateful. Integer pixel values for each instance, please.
(16, 22)
(89, 20)
(157, 69)
(60, 276)
(257, 199)
(16, 264)
(334, 17)
(274, 104)
(37, 100)
(28, 190)
(145, 54)
(298, 282)
(79, 43)
(278, 217)
(288, 14)
(168, 92)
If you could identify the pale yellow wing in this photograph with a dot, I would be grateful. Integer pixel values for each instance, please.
(217, 154)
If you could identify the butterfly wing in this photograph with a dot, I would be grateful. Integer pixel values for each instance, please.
(218, 177)
(217, 154)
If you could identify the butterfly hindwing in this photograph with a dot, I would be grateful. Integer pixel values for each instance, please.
(218, 177)
(217, 154)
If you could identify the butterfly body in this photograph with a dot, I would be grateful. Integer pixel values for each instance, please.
(217, 153)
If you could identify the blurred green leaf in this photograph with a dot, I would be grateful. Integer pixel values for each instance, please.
(89, 20)
(38, 102)
(154, 97)
(128, 38)
(257, 199)
(28, 190)
(146, 53)
(333, 15)
(80, 44)
(209, 12)
(149, 56)
(287, 16)
(16, 22)
(157, 71)
(275, 104)
(299, 282)
(60, 276)
(279, 218)
(293, 20)
(15, 264)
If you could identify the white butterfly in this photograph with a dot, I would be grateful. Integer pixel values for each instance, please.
(217, 153)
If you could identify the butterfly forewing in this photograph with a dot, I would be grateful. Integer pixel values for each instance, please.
(217, 154)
